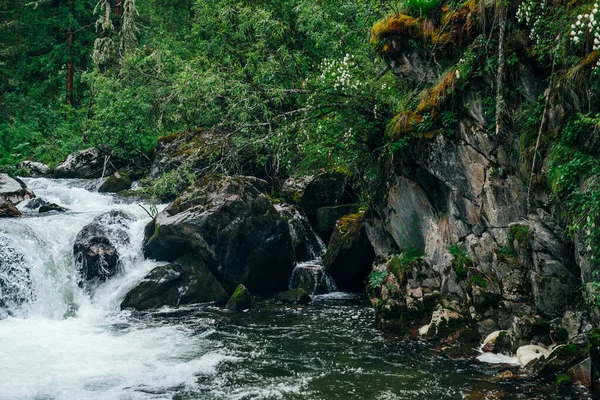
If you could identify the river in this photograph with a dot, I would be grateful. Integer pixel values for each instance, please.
(63, 343)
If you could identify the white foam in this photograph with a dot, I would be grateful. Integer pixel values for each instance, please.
(493, 358)
(68, 345)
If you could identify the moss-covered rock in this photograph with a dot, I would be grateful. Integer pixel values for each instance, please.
(240, 299)
(187, 280)
(327, 217)
(294, 296)
(115, 183)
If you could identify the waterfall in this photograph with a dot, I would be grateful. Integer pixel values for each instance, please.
(308, 274)
(59, 342)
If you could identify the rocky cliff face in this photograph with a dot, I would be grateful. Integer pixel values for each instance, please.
(455, 224)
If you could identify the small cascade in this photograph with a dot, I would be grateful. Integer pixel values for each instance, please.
(312, 277)
(309, 273)
(15, 279)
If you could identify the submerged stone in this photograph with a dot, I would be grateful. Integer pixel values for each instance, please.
(115, 183)
(240, 299)
(294, 296)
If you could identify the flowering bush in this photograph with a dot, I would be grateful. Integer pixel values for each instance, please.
(587, 27)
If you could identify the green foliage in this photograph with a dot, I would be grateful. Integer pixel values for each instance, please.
(461, 261)
(376, 278)
(399, 264)
(521, 234)
(422, 7)
(573, 175)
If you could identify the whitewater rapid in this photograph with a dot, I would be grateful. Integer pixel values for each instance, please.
(66, 344)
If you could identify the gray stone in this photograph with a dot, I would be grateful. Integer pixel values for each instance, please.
(84, 164)
(293, 296)
(14, 189)
(36, 169)
(97, 245)
(51, 207)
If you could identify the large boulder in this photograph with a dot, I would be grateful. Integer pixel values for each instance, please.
(349, 256)
(14, 190)
(36, 169)
(316, 191)
(233, 228)
(85, 164)
(8, 209)
(96, 247)
(187, 280)
(117, 182)
(15, 280)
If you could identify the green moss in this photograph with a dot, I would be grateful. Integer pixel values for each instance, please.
(561, 335)
(401, 264)
(349, 226)
(594, 337)
(521, 234)
(478, 280)
(563, 380)
(461, 262)
(274, 200)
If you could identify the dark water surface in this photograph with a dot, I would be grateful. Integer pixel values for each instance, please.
(332, 350)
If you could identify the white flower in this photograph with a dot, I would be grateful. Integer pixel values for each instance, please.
(457, 74)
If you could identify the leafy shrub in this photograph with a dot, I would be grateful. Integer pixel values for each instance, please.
(376, 278)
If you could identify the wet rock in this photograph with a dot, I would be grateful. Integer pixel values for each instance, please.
(489, 342)
(14, 190)
(312, 279)
(577, 326)
(314, 192)
(51, 207)
(349, 256)
(15, 279)
(36, 203)
(115, 183)
(240, 299)
(8, 209)
(187, 280)
(445, 323)
(561, 359)
(36, 169)
(307, 245)
(85, 164)
(233, 228)
(97, 245)
(294, 296)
